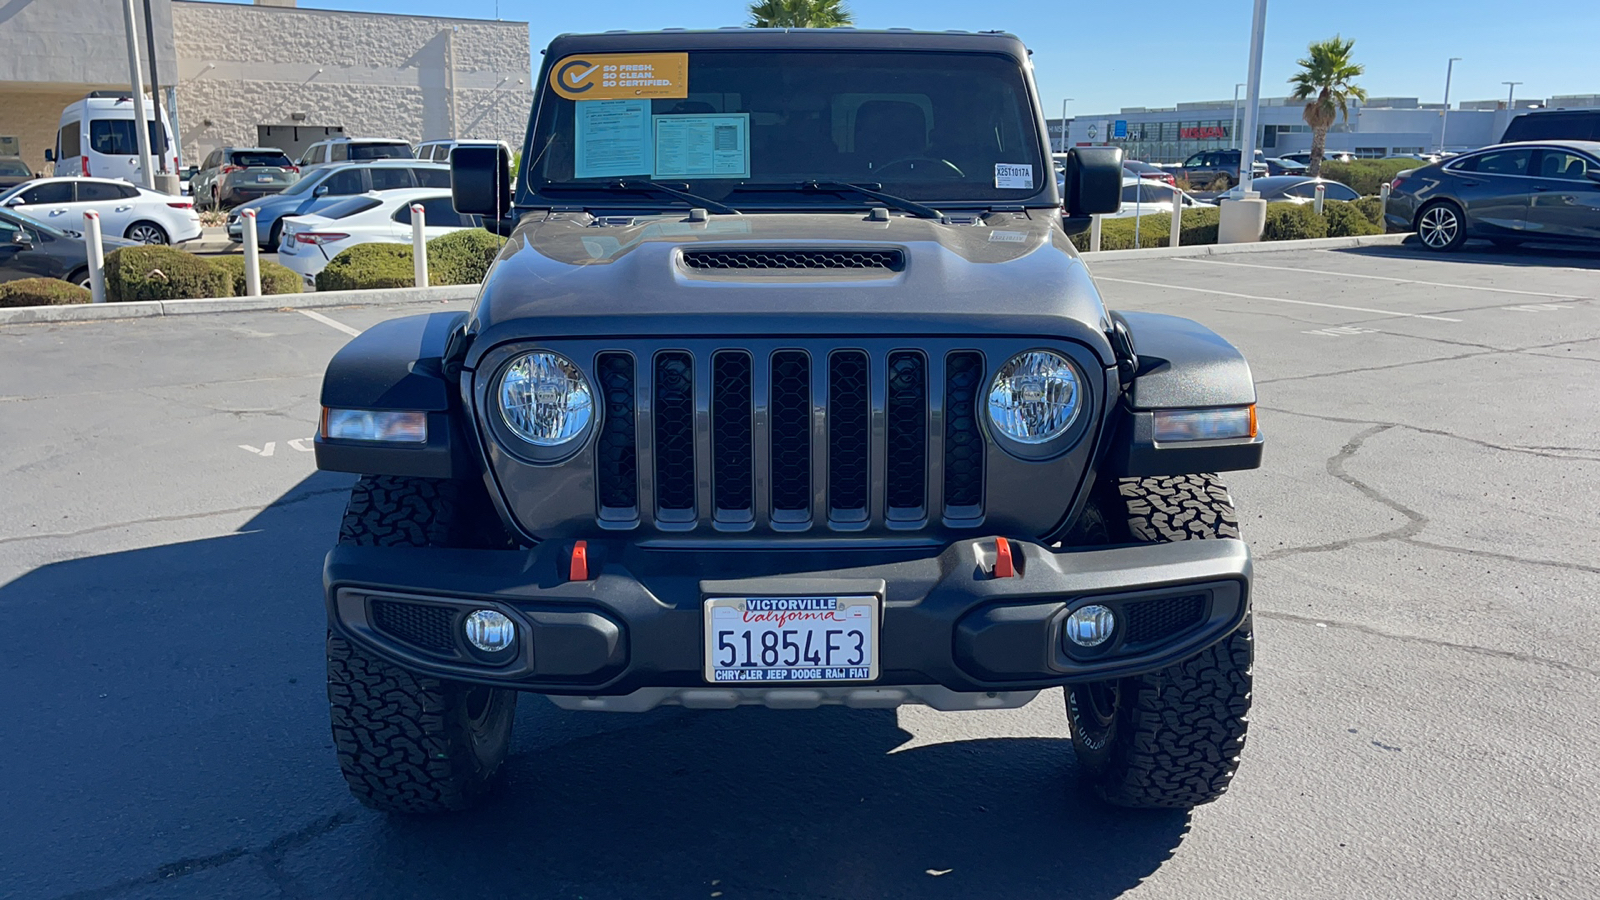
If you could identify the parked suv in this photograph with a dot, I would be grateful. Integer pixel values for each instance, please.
(789, 389)
(327, 185)
(1554, 125)
(342, 150)
(232, 175)
(1203, 168)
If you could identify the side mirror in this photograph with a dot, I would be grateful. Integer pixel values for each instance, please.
(320, 190)
(49, 155)
(22, 239)
(480, 181)
(1094, 181)
(15, 201)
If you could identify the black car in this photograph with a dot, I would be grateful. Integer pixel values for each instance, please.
(801, 398)
(31, 249)
(1545, 191)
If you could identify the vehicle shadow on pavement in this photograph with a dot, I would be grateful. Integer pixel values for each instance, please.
(1482, 253)
(187, 714)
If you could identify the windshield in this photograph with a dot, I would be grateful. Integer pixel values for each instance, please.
(14, 167)
(920, 125)
(380, 151)
(306, 184)
(116, 137)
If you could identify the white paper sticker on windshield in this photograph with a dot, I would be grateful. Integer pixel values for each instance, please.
(1011, 175)
(713, 145)
(613, 138)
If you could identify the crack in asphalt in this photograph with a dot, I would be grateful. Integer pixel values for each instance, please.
(1567, 454)
(283, 501)
(270, 857)
(1493, 652)
(1525, 351)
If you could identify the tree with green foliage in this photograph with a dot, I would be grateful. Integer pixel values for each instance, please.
(1327, 81)
(799, 14)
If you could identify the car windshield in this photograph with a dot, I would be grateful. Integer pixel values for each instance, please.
(754, 127)
(35, 224)
(305, 184)
(14, 167)
(252, 158)
(380, 151)
(349, 207)
(116, 137)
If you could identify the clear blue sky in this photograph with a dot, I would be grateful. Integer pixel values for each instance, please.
(1112, 55)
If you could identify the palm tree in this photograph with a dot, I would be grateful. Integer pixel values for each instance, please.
(1327, 81)
(799, 14)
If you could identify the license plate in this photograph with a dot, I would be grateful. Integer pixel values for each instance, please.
(791, 639)
(263, 179)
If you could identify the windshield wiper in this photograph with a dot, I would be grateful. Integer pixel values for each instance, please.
(671, 191)
(871, 190)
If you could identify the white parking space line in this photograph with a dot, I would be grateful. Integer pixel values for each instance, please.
(329, 322)
(1360, 309)
(1459, 287)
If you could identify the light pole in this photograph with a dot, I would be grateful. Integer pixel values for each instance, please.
(1511, 95)
(141, 130)
(1444, 119)
(1064, 102)
(1247, 154)
(1233, 130)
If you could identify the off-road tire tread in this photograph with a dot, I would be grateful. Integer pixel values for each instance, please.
(1179, 731)
(396, 511)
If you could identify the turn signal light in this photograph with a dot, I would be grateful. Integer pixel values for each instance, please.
(375, 425)
(1229, 423)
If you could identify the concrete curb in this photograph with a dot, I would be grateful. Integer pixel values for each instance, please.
(144, 309)
(1369, 240)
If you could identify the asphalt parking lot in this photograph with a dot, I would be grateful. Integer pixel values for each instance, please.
(1428, 671)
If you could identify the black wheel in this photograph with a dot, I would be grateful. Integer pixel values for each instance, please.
(146, 233)
(1170, 738)
(1441, 226)
(80, 277)
(407, 742)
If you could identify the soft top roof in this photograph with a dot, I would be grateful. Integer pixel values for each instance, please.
(787, 39)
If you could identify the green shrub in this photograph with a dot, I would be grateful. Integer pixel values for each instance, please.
(1365, 175)
(462, 257)
(1199, 227)
(1372, 208)
(1347, 220)
(41, 292)
(1293, 222)
(151, 272)
(367, 266)
(276, 278)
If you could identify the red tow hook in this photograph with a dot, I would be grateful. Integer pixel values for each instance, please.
(1004, 566)
(579, 569)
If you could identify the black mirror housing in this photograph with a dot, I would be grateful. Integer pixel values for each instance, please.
(1094, 181)
(49, 155)
(480, 181)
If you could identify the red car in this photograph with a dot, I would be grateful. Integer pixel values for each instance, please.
(1137, 169)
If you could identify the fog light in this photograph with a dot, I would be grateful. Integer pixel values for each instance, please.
(490, 631)
(1090, 626)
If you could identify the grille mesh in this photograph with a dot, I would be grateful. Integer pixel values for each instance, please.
(617, 453)
(674, 415)
(420, 625)
(730, 423)
(1154, 620)
(791, 431)
(891, 260)
(848, 431)
(906, 423)
(963, 442)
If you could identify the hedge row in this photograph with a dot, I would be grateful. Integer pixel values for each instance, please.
(152, 272)
(461, 257)
(41, 292)
(1285, 222)
(1366, 175)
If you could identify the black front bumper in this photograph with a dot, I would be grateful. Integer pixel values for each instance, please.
(637, 622)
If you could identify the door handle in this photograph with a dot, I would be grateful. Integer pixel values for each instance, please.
(57, 212)
(1539, 189)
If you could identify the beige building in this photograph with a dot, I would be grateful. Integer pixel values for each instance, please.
(269, 74)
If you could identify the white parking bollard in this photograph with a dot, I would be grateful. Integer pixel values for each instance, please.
(1094, 234)
(1177, 220)
(419, 244)
(1383, 197)
(1322, 192)
(252, 257)
(97, 256)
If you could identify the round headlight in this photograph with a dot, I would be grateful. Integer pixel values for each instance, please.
(1034, 397)
(545, 400)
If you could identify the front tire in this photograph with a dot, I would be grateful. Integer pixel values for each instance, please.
(1169, 738)
(1442, 226)
(147, 233)
(407, 742)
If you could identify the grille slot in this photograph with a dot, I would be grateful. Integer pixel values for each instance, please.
(617, 458)
(791, 435)
(674, 433)
(889, 260)
(963, 441)
(1155, 620)
(849, 435)
(421, 625)
(906, 430)
(732, 451)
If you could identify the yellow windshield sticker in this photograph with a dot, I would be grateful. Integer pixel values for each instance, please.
(622, 76)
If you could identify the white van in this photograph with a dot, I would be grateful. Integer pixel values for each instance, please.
(96, 138)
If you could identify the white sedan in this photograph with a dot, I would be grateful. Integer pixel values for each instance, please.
(310, 242)
(1147, 197)
(126, 210)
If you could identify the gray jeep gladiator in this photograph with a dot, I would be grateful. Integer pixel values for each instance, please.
(788, 388)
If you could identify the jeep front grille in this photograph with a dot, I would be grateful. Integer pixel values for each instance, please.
(792, 438)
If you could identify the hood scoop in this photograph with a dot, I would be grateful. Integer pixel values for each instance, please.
(778, 259)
